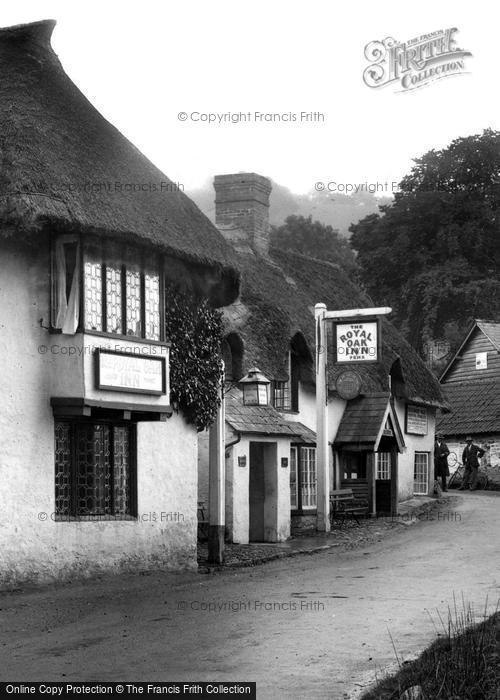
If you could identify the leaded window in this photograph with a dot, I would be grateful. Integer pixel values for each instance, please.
(133, 295)
(63, 468)
(93, 295)
(122, 290)
(114, 299)
(122, 477)
(152, 305)
(118, 287)
(94, 469)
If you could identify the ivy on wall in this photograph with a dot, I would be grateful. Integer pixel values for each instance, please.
(195, 331)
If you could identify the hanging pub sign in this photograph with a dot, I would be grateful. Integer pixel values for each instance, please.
(357, 341)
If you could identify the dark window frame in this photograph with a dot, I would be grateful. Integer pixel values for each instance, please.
(144, 269)
(282, 400)
(74, 422)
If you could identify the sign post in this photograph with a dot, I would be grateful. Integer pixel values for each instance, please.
(357, 340)
(322, 455)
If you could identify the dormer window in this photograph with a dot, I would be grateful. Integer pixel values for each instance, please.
(121, 289)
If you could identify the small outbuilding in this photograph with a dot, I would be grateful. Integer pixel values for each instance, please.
(471, 383)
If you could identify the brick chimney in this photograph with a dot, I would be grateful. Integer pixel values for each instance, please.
(242, 210)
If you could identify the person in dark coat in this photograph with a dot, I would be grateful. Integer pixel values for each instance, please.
(441, 453)
(470, 459)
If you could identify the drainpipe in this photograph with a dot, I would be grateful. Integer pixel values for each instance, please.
(234, 442)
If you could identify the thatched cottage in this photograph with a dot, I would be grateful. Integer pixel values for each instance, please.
(381, 441)
(98, 473)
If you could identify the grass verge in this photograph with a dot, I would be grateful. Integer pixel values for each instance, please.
(462, 664)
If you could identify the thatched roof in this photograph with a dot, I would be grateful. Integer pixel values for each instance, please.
(60, 160)
(277, 302)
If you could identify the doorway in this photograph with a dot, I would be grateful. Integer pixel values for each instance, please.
(263, 496)
(386, 478)
(353, 473)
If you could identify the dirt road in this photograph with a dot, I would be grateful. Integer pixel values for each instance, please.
(315, 626)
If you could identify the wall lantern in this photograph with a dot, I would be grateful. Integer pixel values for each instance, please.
(255, 388)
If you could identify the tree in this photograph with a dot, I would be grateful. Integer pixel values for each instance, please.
(314, 239)
(434, 253)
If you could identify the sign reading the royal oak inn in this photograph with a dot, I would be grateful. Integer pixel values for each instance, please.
(122, 371)
(357, 342)
(416, 62)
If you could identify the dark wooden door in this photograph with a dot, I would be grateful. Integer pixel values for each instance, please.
(383, 482)
(256, 492)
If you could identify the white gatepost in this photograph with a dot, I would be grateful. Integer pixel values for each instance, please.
(322, 454)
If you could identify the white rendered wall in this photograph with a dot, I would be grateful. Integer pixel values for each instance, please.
(33, 547)
(414, 443)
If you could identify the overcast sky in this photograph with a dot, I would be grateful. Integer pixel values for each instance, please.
(142, 63)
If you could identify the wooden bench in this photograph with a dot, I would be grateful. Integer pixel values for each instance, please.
(343, 504)
(202, 522)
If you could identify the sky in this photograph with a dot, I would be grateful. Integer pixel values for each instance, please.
(144, 63)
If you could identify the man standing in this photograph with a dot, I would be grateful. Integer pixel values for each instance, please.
(441, 453)
(470, 459)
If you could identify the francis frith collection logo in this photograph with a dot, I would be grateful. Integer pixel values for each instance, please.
(414, 63)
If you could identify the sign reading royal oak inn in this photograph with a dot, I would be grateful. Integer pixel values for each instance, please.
(357, 342)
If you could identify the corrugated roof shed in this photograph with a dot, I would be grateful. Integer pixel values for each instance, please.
(475, 407)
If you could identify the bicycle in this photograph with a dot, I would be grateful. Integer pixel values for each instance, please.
(457, 477)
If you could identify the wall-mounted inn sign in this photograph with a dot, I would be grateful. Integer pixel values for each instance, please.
(123, 371)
